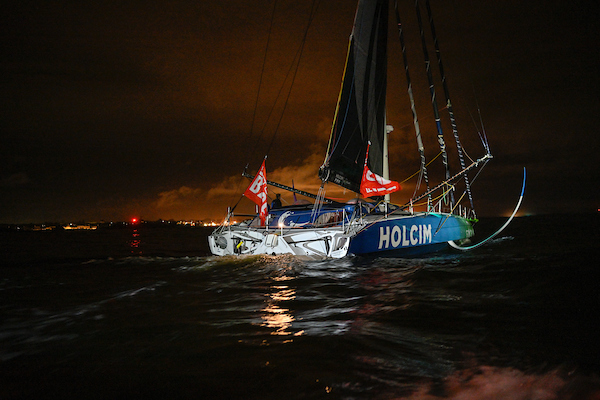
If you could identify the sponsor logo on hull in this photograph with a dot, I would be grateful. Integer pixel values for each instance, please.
(402, 236)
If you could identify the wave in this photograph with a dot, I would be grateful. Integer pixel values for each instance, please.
(25, 328)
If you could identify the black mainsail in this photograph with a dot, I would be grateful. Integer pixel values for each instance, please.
(360, 112)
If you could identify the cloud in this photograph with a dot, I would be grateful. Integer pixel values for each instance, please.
(227, 187)
(178, 198)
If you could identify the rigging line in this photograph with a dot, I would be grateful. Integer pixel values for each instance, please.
(449, 214)
(291, 67)
(229, 214)
(238, 189)
(256, 143)
(260, 85)
(448, 102)
(313, 11)
(272, 110)
(432, 160)
(262, 72)
(434, 199)
(378, 219)
(236, 204)
(485, 139)
(469, 69)
(481, 138)
(318, 205)
(479, 170)
(440, 196)
(418, 186)
(468, 156)
(483, 159)
(440, 134)
(420, 146)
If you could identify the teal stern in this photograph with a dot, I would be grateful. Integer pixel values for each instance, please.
(410, 235)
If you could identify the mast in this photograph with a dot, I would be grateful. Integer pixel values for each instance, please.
(413, 109)
(448, 102)
(386, 160)
(436, 114)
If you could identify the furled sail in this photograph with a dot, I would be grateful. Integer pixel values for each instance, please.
(360, 112)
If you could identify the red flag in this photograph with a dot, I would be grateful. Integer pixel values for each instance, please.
(372, 184)
(257, 192)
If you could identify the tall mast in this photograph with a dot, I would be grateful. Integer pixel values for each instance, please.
(386, 160)
(411, 97)
(448, 102)
(436, 113)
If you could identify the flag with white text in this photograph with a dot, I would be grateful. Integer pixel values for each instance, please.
(372, 184)
(257, 192)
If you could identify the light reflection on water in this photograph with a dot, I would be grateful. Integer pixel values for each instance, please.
(275, 316)
(135, 243)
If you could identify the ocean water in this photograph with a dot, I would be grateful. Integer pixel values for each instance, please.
(144, 312)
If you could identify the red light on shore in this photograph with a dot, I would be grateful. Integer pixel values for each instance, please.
(134, 220)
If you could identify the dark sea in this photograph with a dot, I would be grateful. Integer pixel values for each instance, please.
(144, 312)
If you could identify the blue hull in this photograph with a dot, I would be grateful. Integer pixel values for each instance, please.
(411, 235)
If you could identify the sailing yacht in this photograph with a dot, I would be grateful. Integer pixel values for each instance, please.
(356, 160)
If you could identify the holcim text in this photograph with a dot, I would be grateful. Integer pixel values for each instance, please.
(401, 236)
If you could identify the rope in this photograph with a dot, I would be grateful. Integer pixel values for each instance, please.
(318, 204)
(449, 214)
(262, 73)
(313, 11)
(426, 165)
(450, 187)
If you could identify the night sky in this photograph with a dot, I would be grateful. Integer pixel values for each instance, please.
(116, 109)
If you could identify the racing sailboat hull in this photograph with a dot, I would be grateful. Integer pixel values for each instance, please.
(410, 235)
(338, 232)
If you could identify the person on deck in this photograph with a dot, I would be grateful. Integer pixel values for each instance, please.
(276, 202)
